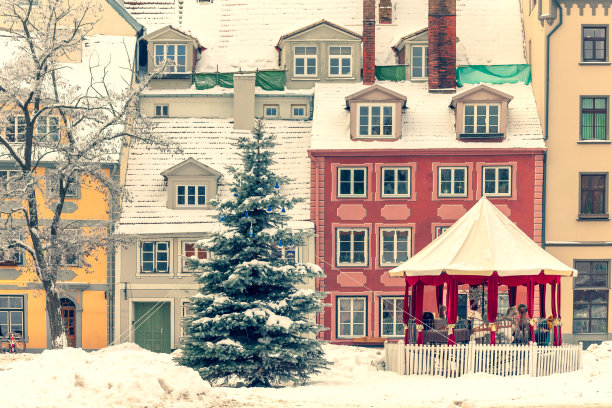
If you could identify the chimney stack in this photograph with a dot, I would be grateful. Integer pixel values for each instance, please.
(244, 101)
(369, 41)
(442, 29)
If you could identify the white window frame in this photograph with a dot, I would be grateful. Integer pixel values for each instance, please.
(352, 251)
(395, 170)
(496, 181)
(173, 65)
(9, 174)
(381, 241)
(487, 118)
(186, 195)
(43, 125)
(18, 123)
(185, 311)
(340, 57)
(305, 57)
(352, 312)
(161, 107)
(183, 256)
(396, 300)
(271, 116)
(10, 310)
(369, 135)
(18, 253)
(440, 229)
(352, 182)
(452, 181)
(77, 262)
(294, 116)
(424, 63)
(155, 259)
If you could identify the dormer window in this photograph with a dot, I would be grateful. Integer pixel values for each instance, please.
(191, 185)
(419, 61)
(481, 113)
(173, 54)
(340, 61)
(305, 61)
(481, 118)
(190, 196)
(376, 120)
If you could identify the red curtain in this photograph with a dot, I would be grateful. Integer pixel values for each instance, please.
(542, 301)
(530, 304)
(512, 295)
(452, 294)
(492, 289)
(560, 335)
(406, 315)
(418, 311)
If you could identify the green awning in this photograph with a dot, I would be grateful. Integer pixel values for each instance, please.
(493, 74)
(266, 80)
(271, 80)
(390, 72)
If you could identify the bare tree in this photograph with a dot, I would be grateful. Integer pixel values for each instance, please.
(56, 134)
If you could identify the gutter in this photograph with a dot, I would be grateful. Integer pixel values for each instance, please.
(544, 201)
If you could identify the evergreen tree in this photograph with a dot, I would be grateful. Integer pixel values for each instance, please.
(249, 318)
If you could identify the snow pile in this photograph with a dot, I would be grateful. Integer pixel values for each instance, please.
(117, 376)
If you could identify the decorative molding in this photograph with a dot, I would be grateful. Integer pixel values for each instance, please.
(351, 212)
(390, 281)
(9, 273)
(66, 275)
(351, 279)
(395, 212)
(581, 4)
(451, 211)
(505, 209)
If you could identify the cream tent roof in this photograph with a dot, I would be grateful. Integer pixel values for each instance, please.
(483, 241)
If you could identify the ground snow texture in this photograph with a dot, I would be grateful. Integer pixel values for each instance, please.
(128, 376)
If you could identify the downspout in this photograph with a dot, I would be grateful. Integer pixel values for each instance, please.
(546, 121)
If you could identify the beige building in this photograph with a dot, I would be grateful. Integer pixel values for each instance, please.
(568, 47)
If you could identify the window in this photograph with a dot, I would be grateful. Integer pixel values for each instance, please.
(186, 311)
(340, 61)
(15, 128)
(270, 111)
(496, 181)
(452, 181)
(440, 230)
(594, 44)
(154, 257)
(72, 185)
(395, 182)
(305, 61)
(481, 118)
(351, 316)
(376, 120)
(593, 118)
(190, 250)
(6, 176)
(285, 252)
(591, 296)
(298, 111)
(351, 246)
(161, 111)
(391, 316)
(11, 257)
(48, 127)
(395, 245)
(173, 54)
(593, 196)
(11, 314)
(70, 257)
(352, 182)
(187, 195)
(419, 60)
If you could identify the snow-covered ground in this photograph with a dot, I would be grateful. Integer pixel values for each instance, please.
(128, 376)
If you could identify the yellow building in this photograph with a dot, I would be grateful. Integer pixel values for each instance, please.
(86, 294)
(568, 47)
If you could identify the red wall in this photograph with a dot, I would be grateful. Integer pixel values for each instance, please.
(425, 211)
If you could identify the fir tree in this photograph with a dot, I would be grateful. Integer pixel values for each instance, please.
(249, 318)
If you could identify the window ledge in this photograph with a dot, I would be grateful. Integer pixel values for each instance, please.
(593, 142)
(593, 217)
(594, 63)
(481, 136)
(305, 78)
(173, 76)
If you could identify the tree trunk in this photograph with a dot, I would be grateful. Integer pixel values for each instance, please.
(54, 314)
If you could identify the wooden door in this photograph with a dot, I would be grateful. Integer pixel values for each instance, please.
(69, 316)
(152, 326)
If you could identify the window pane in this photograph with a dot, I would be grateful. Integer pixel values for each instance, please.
(359, 305)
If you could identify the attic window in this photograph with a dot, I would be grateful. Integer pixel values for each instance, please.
(481, 118)
(190, 195)
(205, 1)
(173, 54)
(376, 120)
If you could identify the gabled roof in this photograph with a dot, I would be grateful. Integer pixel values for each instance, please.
(481, 242)
(315, 25)
(126, 16)
(374, 88)
(408, 37)
(190, 163)
(481, 88)
(160, 33)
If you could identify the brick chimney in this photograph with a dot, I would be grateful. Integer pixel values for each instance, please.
(369, 47)
(442, 29)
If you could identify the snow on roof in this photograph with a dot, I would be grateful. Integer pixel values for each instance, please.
(243, 34)
(213, 143)
(427, 122)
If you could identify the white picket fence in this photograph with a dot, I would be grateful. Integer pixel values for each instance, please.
(503, 359)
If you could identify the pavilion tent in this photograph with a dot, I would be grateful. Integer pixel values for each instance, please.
(483, 246)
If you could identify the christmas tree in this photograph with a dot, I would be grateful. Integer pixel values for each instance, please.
(250, 319)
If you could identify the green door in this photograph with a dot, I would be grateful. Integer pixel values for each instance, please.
(152, 326)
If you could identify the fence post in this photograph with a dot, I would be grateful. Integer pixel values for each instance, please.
(532, 358)
(579, 355)
(471, 356)
(401, 357)
(386, 348)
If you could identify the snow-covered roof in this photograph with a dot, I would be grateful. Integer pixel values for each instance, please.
(243, 34)
(427, 122)
(213, 143)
